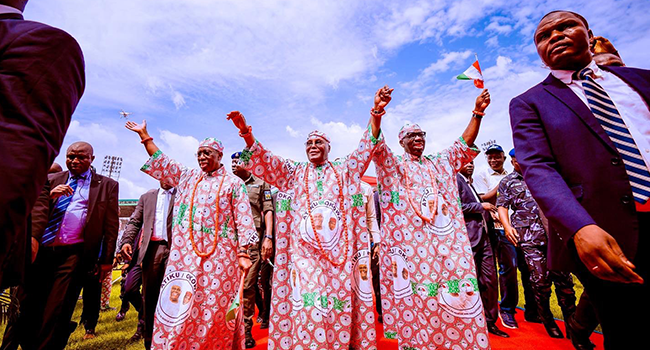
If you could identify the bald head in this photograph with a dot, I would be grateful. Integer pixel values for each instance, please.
(17, 4)
(79, 157)
(82, 145)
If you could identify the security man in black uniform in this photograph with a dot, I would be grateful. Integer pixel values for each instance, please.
(527, 231)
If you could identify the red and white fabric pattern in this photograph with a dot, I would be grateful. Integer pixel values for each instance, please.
(430, 296)
(197, 292)
(316, 304)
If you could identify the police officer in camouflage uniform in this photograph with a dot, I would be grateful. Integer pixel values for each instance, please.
(527, 230)
(259, 194)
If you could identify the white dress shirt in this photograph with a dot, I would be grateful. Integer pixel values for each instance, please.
(487, 180)
(162, 207)
(630, 104)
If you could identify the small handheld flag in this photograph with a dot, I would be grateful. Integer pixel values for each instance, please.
(473, 73)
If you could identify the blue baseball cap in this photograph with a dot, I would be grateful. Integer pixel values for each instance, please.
(494, 148)
(512, 152)
(235, 155)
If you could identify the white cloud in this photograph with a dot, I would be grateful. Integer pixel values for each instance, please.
(295, 65)
(454, 59)
(291, 132)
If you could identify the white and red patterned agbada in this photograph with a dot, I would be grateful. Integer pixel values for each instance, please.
(196, 292)
(315, 304)
(430, 297)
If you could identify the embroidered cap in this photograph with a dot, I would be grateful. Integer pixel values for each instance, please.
(407, 129)
(315, 134)
(212, 143)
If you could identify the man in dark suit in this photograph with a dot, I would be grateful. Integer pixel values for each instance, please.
(153, 215)
(41, 82)
(581, 139)
(477, 214)
(76, 214)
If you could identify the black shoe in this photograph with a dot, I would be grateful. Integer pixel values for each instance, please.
(492, 328)
(508, 320)
(264, 324)
(579, 339)
(532, 317)
(250, 342)
(552, 329)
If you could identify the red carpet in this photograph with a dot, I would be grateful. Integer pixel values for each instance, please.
(528, 336)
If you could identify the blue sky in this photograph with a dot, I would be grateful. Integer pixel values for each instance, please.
(293, 66)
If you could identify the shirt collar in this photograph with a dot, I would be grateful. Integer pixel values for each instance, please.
(408, 156)
(169, 191)
(464, 178)
(494, 172)
(8, 9)
(86, 175)
(566, 76)
(219, 171)
(250, 179)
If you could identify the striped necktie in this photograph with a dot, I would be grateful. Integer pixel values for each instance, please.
(56, 218)
(610, 119)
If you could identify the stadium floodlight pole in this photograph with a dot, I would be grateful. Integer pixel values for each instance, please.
(112, 167)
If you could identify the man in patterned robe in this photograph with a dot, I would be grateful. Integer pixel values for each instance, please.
(208, 241)
(430, 297)
(318, 299)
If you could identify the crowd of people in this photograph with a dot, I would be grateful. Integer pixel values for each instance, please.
(319, 252)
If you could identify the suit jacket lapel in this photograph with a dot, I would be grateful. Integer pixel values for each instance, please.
(563, 93)
(638, 84)
(93, 193)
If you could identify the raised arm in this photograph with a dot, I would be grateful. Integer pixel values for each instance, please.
(159, 166)
(245, 130)
(382, 98)
(482, 102)
(146, 140)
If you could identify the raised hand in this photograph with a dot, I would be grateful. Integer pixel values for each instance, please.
(482, 101)
(238, 119)
(139, 129)
(382, 97)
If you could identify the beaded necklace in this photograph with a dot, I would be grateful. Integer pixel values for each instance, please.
(216, 220)
(341, 207)
(408, 193)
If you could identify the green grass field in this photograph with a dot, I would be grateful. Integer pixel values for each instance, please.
(112, 335)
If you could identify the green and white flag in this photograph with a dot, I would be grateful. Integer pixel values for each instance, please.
(473, 73)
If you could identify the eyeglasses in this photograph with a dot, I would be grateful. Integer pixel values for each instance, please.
(317, 142)
(411, 135)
